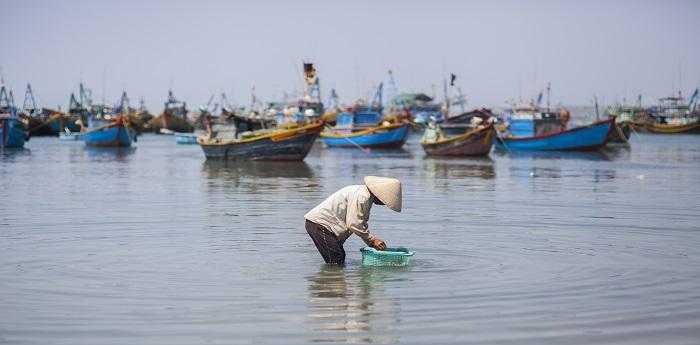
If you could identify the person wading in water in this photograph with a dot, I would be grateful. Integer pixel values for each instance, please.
(346, 212)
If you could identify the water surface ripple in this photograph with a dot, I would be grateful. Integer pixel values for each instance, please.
(153, 245)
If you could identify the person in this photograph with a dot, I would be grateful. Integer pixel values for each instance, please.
(346, 212)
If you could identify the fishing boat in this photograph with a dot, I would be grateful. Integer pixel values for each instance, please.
(110, 127)
(37, 122)
(273, 145)
(113, 132)
(363, 125)
(674, 128)
(173, 117)
(13, 132)
(458, 124)
(628, 118)
(620, 133)
(186, 138)
(473, 142)
(531, 128)
(79, 109)
(672, 115)
(386, 135)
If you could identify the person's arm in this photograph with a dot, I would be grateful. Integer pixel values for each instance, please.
(356, 218)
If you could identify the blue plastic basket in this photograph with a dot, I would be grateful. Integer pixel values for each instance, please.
(388, 257)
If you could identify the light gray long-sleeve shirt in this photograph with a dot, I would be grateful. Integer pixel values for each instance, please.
(345, 212)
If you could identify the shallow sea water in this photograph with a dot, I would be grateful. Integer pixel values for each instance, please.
(153, 245)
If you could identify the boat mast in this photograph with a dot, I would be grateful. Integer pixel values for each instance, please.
(124, 103)
(29, 102)
(333, 100)
(253, 99)
(377, 101)
(4, 98)
(549, 93)
(393, 90)
(597, 113)
(447, 99)
(693, 99)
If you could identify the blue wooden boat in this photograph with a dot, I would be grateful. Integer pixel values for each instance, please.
(531, 128)
(382, 136)
(109, 132)
(584, 138)
(13, 132)
(186, 138)
(364, 126)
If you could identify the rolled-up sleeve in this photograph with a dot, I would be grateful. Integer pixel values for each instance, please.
(357, 215)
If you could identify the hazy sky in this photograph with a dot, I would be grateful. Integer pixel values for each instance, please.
(498, 49)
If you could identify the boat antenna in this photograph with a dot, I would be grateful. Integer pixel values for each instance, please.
(549, 93)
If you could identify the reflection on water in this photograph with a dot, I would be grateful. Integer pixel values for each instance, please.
(8, 154)
(216, 169)
(256, 177)
(569, 155)
(444, 174)
(457, 168)
(155, 246)
(107, 154)
(357, 153)
(352, 306)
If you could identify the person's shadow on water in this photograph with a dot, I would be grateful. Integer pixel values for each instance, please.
(352, 305)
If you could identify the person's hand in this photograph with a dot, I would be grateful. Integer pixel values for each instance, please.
(378, 243)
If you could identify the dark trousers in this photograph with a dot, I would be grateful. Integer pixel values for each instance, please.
(327, 243)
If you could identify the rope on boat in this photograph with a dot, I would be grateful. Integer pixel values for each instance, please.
(367, 151)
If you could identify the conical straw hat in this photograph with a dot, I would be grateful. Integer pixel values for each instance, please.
(388, 190)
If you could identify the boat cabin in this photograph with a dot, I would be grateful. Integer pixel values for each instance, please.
(175, 107)
(420, 106)
(359, 117)
(532, 121)
(300, 112)
(672, 110)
